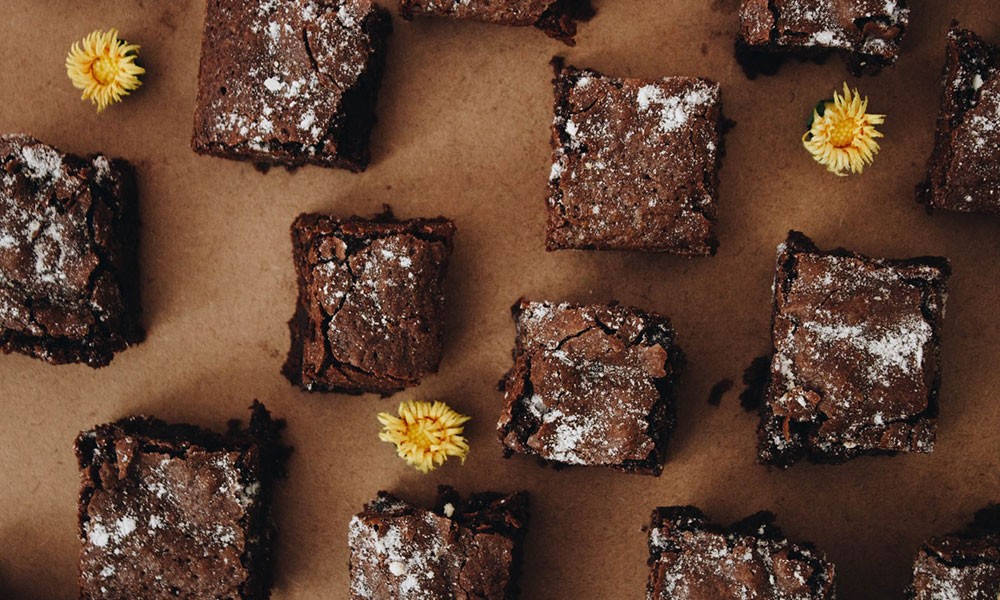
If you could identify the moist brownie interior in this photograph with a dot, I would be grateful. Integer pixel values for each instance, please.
(175, 510)
(69, 275)
(856, 362)
(590, 385)
(964, 169)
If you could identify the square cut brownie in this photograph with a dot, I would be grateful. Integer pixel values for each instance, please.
(170, 511)
(370, 310)
(867, 33)
(964, 170)
(69, 256)
(557, 18)
(635, 163)
(464, 549)
(690, 557)
(964, 565)
(291, 82)
(856, 361)
(590, 385)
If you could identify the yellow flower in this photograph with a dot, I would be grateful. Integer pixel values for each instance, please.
(104, 68)
(425, 434)
(842, 137)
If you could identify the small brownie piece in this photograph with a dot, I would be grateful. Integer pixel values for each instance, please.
(291, 82)
(964, 169)
(370, 310)
(557, 18)
(635, 163)
(462, 550)
(856, 363)
(69, 274)
(590, 385)
(866, 33)
(964, 565)
(692, 558)
(171, 511)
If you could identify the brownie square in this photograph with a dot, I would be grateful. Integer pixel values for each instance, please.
(463, 549)
(590, 385)
(291, 82)
(692, 558)
(635, 163)
(964, 170)
(866, 33)
(962, 565)
(370, 310)
(69, 275)
(856, 362)
(171, 511)
(557, 18)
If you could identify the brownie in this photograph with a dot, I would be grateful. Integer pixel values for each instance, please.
(964, 565)
(291, 82)
(690, 557)
(464, 549)
(557, 18)
(964, 169)
(866, 33)
(69, 274)
(171, 511)
(590, 385)
(635, 163)
(370, 309)
(855, 367)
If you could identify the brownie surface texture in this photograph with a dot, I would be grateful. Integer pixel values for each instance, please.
(635, 163)
(370, 309)
(174, 511)
(692, 559)
(964, 565)
(964, 169)
(867, 33)
(69, 277)
(557, 18)
(464, 549)
(590, 385)
(856, 362)
(290, 83)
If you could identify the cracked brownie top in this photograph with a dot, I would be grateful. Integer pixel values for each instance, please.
(635, 163)
(290, 81)
(855, 367)
(591, 385)
(371, 302)
(68, 256)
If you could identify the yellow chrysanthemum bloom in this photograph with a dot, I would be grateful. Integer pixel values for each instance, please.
(425, 434)
(842, 137)
(104, 68)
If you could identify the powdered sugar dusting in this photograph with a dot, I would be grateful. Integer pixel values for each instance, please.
(674, 109)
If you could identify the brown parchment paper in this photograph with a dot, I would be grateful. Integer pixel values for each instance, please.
(463, 131)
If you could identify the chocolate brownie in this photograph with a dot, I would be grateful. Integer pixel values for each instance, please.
(867, 33)
(590, 385)
(464, 549)
(290, 83)
(856, 361)
(964, 170)
(635, 163)
(557, 18)
(370, 310)
(69, 274)
(692, 558)
(964, 565)
(171, 511)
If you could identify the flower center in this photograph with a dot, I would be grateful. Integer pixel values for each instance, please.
(104, 69)
(842, 133)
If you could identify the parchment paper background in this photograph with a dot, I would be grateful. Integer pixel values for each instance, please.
(464, 131)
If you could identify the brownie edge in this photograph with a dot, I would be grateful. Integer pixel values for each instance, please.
(964, 564)
(557, 18)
